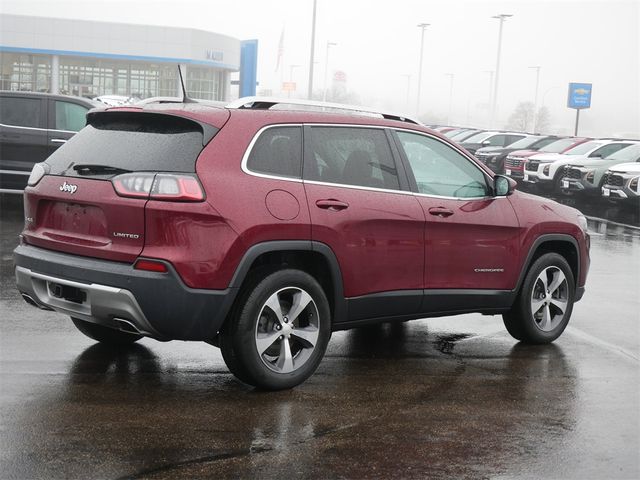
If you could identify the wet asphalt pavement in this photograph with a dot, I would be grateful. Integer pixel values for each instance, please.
(451, 397)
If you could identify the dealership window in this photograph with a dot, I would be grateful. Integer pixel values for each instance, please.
(91, 77)
(23, 72)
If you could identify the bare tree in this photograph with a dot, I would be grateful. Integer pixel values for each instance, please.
(522, 117)
(543, 119)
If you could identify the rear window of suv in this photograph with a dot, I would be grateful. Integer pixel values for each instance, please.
(132, 141)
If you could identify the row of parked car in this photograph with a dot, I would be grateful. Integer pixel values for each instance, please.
(596, 167)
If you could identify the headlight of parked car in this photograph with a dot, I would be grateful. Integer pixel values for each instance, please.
(545, 170)
(590, 176)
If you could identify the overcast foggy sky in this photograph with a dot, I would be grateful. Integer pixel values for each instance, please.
(378, 42)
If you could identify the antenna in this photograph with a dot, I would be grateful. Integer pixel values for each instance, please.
(185, 98)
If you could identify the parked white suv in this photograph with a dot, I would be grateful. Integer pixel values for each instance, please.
(545, 169)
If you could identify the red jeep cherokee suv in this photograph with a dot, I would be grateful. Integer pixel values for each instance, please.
(261, 230)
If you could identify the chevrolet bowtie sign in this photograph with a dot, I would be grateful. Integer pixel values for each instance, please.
(579, 95)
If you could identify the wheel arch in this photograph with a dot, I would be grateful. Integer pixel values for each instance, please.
(315, 258)
(562, 244)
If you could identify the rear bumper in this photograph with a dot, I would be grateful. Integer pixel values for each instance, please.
(115, 295)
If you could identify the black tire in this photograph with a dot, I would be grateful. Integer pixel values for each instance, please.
(557, 182)
(108, 336)
(253, 320)
(549, 321)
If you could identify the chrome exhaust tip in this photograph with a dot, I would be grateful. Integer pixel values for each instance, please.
(31, 301)
(127, 326)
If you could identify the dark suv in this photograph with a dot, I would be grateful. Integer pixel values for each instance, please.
(32, 126)
(261, 230)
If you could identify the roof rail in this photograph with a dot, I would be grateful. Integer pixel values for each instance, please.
(265, 103)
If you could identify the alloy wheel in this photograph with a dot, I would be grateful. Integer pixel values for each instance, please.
(549, 298)
(287, 330)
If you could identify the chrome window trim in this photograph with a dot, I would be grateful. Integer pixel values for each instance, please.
(357, 187)
(16, 172)
(247, 153)
(247, 171)
(38, 128)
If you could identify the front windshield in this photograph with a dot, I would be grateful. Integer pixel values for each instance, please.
(558, 146)
(478, 137)
(524, 142)
(583, 148)
(627, 154)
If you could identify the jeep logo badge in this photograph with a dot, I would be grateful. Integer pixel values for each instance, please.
(68, 187)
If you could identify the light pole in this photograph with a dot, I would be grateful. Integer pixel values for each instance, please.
(313, 44)
(326, 69)
(450, 75)
(291, 67)
(422, 27)
(502, 17)
(490, 96)
(535, 101)
(408, 77)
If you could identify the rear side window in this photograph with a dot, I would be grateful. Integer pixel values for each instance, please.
(609, 149)
(497, 140)
(132, 141)
(70, 116)
(351, 156)
(20, 112)
(278, 151)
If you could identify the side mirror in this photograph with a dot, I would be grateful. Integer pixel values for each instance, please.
(486, 142)
(503, 186)
(596, 155)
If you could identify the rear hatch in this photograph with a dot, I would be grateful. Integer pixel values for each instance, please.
(75, 208)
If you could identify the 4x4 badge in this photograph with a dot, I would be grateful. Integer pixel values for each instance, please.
(68, 187)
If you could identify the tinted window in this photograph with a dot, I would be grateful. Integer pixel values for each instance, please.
(440, 170)
(583, 148)
(21, 112)
(558, 146)
(132, 141)
(497, 140)
(540, 143)
(478, 137)
(278, 151)
(352, 156)
(510, 139)
(70, 116)
(607, 150)
(525, 142)
(626, 154)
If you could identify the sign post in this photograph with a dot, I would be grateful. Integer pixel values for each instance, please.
(578, 99)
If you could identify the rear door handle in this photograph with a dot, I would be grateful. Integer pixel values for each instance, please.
(441, 212)
(58, 140)
(332, 204)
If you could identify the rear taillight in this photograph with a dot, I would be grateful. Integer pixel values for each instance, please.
(159, 186)
(39, 170)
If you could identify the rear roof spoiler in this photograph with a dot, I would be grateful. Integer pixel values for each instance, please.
(106, 116)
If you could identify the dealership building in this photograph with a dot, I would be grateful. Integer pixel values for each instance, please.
(90, 58)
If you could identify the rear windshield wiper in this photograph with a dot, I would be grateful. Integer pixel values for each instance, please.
(88, 169)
